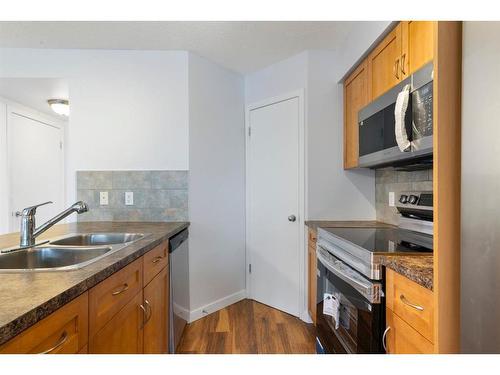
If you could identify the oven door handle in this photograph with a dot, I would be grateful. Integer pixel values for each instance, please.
(371, 291)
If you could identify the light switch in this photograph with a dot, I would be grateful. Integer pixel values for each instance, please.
(391, 199)
(103, 198)
(129, 198)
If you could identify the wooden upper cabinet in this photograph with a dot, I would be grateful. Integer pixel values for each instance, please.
(417, 45)
(355, 98)
(384, 64)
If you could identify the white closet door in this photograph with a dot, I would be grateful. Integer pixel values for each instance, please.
(274, 205)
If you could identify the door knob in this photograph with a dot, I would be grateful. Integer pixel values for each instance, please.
(292, 218)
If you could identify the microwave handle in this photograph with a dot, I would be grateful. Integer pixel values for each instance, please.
(400, 109)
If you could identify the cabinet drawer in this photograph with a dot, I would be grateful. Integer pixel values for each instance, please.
(411, 302)
(403, 339)
(154, 261)
(110, 295)
(65, 331)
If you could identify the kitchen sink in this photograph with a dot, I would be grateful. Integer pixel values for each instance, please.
(67, 253)
(51, 258)
(97, 239)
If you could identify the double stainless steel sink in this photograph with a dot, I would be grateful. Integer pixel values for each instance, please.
(66, 253)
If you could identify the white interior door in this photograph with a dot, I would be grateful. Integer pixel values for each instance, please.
(35, 165)
(273, 197)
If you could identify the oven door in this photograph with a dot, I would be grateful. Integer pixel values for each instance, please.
(361, 316)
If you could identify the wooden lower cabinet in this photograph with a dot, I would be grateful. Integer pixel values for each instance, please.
(123, 334)
(156, 301)
(110, 295)
(311, 265)
(401, 338)
(65, 331)
(409, 316)
(123, 314)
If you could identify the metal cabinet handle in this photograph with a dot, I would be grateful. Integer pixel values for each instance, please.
(403, 58)
(384, 338)
(157, 259)
(146, 315)
(119, 291)
(396, 68)
(60, 342)
(408, 303)
(146, 302)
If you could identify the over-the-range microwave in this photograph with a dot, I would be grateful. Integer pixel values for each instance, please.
(378, 126)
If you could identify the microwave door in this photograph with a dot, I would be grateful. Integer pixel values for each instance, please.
(422, 115)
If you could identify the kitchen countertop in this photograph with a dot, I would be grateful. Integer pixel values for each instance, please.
(27, 297)
(418, 268)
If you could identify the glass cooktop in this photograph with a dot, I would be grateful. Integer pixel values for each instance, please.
(385, 240)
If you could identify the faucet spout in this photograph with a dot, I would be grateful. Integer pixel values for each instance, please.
(28, 231)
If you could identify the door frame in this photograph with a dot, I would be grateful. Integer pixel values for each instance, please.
(302, 276)
(17, 109)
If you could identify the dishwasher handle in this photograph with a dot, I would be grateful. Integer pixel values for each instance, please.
(177, 240)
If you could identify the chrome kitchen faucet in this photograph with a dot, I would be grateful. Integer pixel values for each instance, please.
(28, 229)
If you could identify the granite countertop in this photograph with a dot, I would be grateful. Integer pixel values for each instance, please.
(315, 224)
(26, 298)
(418, 268)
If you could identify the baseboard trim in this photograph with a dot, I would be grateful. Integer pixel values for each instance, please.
(217, 305)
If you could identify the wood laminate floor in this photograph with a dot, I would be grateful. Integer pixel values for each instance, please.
(248, 327)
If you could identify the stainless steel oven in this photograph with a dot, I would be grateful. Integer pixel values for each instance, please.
(356, 328)
(350, 305)
(380, 122)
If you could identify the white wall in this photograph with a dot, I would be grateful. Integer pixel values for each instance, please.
(4, 200)
(216, 186)
(480, 256)
(129, 109)
(332, 193)
(277, 79)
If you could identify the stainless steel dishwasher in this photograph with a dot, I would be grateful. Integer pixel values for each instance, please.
(179, 287)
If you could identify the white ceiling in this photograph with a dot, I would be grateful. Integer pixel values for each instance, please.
(34, 92)
(241, 46)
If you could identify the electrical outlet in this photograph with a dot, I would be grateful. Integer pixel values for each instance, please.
(103, 198)
(391, 199)
(129, 198)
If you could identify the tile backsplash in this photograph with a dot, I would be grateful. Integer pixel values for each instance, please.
(387, 180)
(158, 195)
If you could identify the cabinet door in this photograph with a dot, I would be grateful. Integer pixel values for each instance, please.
(417, 45)
(312, 281)
(355, 98)
(384, 64)
(123, 334)
(403, 339)
(156, 301)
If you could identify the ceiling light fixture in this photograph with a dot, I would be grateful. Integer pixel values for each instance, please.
(59, 106)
